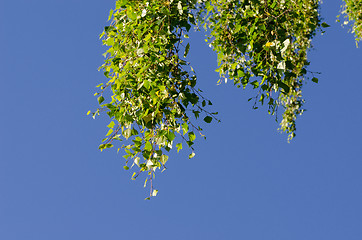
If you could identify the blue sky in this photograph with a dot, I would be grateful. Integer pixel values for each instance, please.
(246, 181)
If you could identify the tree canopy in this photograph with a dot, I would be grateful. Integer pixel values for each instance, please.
(352, 10)
(155, 104)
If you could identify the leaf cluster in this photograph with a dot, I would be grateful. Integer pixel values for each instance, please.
(155, 104)
(153, 86)
(352, 10)
(264, 44)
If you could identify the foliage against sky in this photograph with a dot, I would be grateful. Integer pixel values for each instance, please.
(155, 103)
(352, 10)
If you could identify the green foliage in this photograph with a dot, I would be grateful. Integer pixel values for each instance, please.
(264, 44)
(352, 9)
(155, 104)
(153, 86)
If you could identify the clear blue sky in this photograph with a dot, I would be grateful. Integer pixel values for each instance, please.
(246, 181)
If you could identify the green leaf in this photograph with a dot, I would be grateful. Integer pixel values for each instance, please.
(191, 155)
(147, 118)
(109, 132)
(192, 136)
(187, 50)
(164, 159)
(185, 128)
(147, 84)
(208, 119)
(179, 146)
(283, 86)
(104, 146)
(325, 25)
(131, 14)
(315, 80)
(109, 42)
(126, 168)
(148, 146)
(110, 14)
(111, 125)
(171, 136)
(100, 99)
(121, 3)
